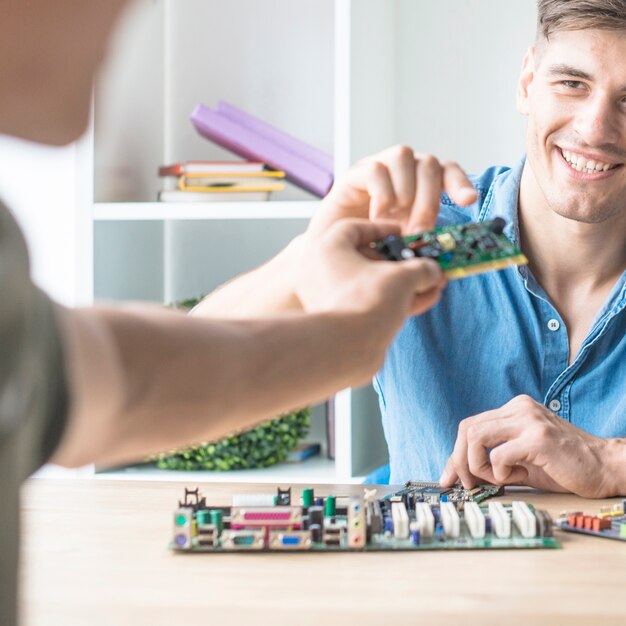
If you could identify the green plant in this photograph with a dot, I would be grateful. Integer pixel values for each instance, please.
(265, 445)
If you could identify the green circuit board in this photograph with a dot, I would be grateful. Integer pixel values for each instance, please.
(421, 516)
(461, 250)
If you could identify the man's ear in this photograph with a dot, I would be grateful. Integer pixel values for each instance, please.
(525, 80)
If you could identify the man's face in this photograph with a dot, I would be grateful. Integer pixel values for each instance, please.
(49, 52)
(574, 94)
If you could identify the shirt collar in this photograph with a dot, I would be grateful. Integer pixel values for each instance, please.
(503, 200)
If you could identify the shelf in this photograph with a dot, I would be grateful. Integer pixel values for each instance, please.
(120, 211)
(313, 471)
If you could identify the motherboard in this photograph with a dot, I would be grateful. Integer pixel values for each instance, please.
(420, 516)
(609, 522)
(461, 250)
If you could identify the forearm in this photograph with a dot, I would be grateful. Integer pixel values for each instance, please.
(615, 469)
(147, 381)
(266, 290)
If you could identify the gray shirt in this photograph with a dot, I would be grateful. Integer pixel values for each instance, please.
(33, 395)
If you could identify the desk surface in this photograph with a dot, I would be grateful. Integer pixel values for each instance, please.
(94, 554)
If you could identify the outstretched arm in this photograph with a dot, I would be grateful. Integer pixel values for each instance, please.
(147, 380)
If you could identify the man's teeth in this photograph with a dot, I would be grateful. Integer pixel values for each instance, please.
(580, 164)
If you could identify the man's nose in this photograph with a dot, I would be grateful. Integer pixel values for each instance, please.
(597, 121)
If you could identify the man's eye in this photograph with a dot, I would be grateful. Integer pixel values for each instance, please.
(572, 84)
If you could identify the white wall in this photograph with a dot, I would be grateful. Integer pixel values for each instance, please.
(457, 64)
(39, 185)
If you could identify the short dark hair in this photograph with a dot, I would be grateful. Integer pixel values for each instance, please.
(557, 15)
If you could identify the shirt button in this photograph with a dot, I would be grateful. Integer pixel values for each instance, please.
(554, 325)
(554, 405)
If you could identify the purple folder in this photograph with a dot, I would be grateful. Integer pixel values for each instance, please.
(254, 140)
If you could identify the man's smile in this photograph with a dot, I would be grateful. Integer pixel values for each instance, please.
(587, 166)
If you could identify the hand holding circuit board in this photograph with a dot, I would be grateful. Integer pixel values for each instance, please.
(461, 250)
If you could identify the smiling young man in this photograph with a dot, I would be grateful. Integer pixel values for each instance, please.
(545, 343)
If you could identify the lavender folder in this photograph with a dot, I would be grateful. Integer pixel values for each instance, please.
(248, 144)
(315, 156)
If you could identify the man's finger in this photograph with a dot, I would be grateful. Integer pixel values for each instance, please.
(374, 178)
(485, 435)
(506, 460)
(458, 458)
(402, 170)
(448, 477)
(424, 301)
(361, 232)
(423, 275)
(457, 185)
(425, 208)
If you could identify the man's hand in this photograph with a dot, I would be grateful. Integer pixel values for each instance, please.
(339, 272)
(395, 184)
(525, 443)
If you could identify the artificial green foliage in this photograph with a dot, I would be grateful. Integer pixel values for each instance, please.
(265, 445)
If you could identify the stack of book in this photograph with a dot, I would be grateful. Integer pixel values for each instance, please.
(254, 139)
(219, 181)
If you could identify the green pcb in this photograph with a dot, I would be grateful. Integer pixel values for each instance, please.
(461, 250)
(420, 516)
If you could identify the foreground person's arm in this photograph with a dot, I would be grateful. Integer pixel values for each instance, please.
(145, 380)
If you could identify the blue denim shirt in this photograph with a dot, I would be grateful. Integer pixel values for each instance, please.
(490, 338)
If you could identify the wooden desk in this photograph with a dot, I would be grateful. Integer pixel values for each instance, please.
(94, 554)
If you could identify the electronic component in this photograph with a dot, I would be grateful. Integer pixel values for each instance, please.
(400, 518)
(461, 250)
(241, 517)
(609, 522)
(450, 519)
(254, 499)
(524, 519)
(356, 523)
(425, 519)
(500, 520)
(283, 496)
(433, 492)
(289, 540)
(475, 520)
(307, 497)
(184, 528)
(332, 534)
(420, 516)
(243, 539)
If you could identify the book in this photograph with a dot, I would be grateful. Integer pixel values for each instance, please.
(207, 168)
(229, 185)
(319, 158)
(176, 195)
(247, 143)
(303, 451)
(330, 428)
(265, 175)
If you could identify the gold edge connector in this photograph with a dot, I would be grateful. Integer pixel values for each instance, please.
(480, 268)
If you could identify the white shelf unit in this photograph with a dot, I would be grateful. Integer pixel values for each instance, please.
(350, 77)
